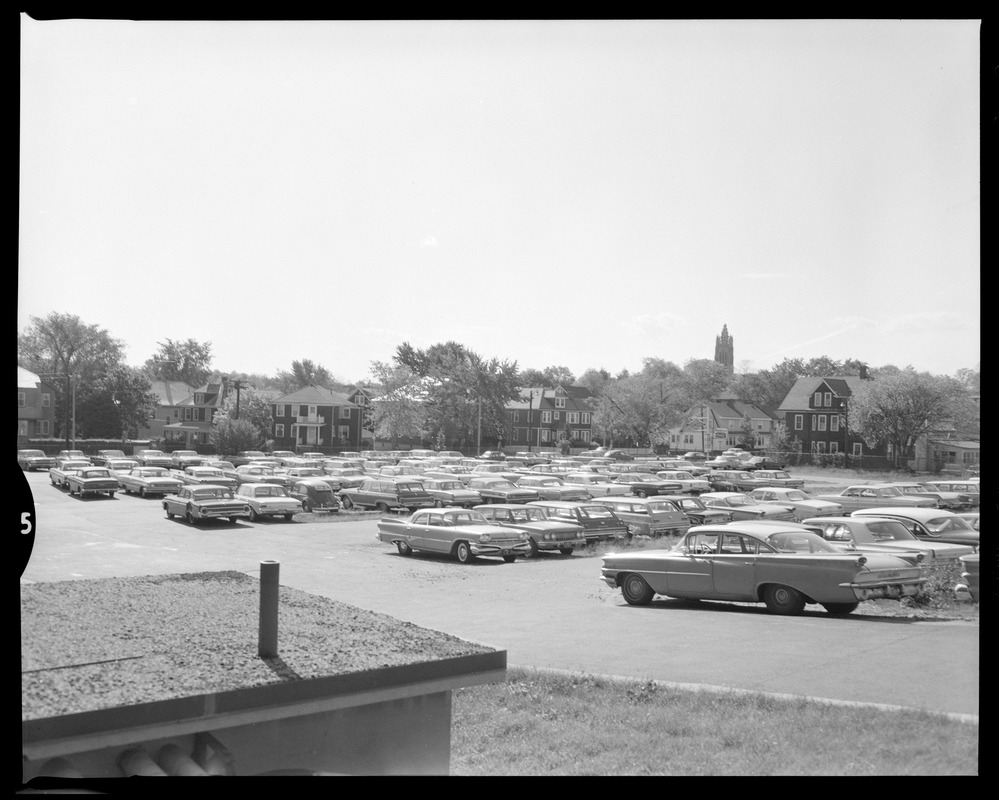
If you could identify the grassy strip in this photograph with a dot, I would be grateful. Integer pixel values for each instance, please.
(539, 723)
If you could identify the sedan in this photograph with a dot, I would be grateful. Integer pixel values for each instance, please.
(853, 498)
(929, 524)
(210, 475)
(545, 533)
(884, 535)
(643, 484)
(743, 507)
(258, 473)
(595, 483)
(784, 567)
(153, 458)
(461, 533)
(778, 477)
(34, 459)
(450, 492)
(315, 495)
(695, 510)
(199, 503)
(803, 505)
(268, 500)
(966, 488)
(149, 480)
(500, 490)
(743, 480)
(599, 522)
(968, 588)
(688, 483)
(955, 501)
(551, 487)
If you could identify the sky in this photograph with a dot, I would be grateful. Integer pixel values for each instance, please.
(585, 194)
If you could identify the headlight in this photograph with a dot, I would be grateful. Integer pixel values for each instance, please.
(861, 561)
(201, 509)
(485, 537)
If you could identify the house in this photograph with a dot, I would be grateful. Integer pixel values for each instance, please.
(172, 398)
(362, 396)
(542, 416)
(313, 418)
(719, 423)
(949, 448)
(816, 411)
(35, 407)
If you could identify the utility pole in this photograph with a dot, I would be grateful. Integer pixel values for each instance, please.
(530, 409)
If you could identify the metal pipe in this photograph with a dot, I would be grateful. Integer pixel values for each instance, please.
(267, 646)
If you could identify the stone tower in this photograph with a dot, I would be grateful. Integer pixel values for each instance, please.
(724, 349)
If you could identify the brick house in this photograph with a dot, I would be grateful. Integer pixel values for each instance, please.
(543, 415)
(314, 418)
(35, 407)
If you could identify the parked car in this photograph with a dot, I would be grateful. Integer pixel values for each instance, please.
(73, 455)
(120, 466)
(450, 492)
(284, 456)
(257, 473)
(720, 484)
(385, 493)
(724, 462)
(500, 490)
(268, 500)
(495, 470)
(644, 484)
(246, 456)
(208, 475)
(971, 517)
(647, 516)
(695, 455)
(493, 455)
(315, 495)
(91, 480)
(688, 483)
(618, 455)
(683, 465)
(778, 477)
(182, 459)
(59, 474)
(968, 489)
(544, 533)
(929, 524)
(743, 507)
(29, 460)
(694, 509)
(955, 501)
(883, 534)
(803, 505)
(294, 473)
(968, 588)
(595, 483)
(346, 477)
(599, 522)
(551, 487)
(763, 462)
(742, 480)
(784, 567)
(153, 458)
(875, 495)
(103, 456)
(462, 533)
(199, 503)
(463, 474)
(148, 481)
(221, 464)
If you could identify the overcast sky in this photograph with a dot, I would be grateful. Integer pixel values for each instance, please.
(585, 194)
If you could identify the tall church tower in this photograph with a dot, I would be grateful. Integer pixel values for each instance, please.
(725, 349)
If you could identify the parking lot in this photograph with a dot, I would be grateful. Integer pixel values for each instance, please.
(548, 612)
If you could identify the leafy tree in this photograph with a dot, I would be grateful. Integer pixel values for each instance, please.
(558, 376)
(303, 373)
(230, 436)
(594, 379)
(254, 409)
(63, 346)
(971, 379)
(116, 404)
(533, 378)
(747, 434)
(902, 405)
(704, 378)
(400, 409)
(188, 361)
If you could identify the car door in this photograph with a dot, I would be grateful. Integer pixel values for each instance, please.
(734, 567)
(690, 573)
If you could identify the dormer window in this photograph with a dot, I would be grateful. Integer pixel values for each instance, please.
(817, 401)
(559, 402)
(829, 399)
(199, 398)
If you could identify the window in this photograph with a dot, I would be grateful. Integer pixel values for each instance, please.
(203, 437)
(815, 421)
(312, 411)
(21, 403)
(557, 415)
(43, 428)
(546, 416)
(559, 402)
(572, 417)
(834, 422)
(278, 411)
(585, 418)
(279, 431)
(344, 412)
(516, 433)
(583, 436)
(22, 427)
(833, 447)
(821, 447)
(516, 416)
(546, 435)
(858, 449)
(187, 414)
(343, 431)
(817, 400)
(46, 399)
(822, 422)
(828, 399)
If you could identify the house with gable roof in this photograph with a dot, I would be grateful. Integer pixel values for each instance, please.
(719, 423)
(541, 416)
(314, 418)
(35, 407)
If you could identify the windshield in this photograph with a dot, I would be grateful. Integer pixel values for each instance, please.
(410, 488)
(948, 524)
(155, 473)
(796, 495)
(270, 491)
(661, 505)
(212, 494)
(801, 542)
(597, 512)
(527, 514)
(883, 531)
(739, 500)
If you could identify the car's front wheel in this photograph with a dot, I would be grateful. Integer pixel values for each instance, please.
(566, 551)
(783, 599)
(636, 590)
(463, 552)
(254, 516)
(840, 608)
(381, 508)
(191, 519)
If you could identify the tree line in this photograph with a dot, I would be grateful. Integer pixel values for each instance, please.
(451, 396)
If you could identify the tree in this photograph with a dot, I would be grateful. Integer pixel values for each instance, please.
(900, 406)
(400, 410)
(117, 403)
(230, 436)
(188, 361)
(747, 434)
(63, 346)
(532, 378)
(303, 373)
(594, 379)
(254, 411)
(558, 376)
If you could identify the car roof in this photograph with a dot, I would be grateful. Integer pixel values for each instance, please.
(904, 511)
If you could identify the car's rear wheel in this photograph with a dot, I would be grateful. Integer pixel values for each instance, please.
(566, 551)
(289, 517)
(783, 599)
(840, 608)
(170, 515)
(142, 491)
(404, 549)
(463, 552)
(642, 493)
(438, 503)
(381, 508)
(307, 506)
(534, 547)
(509, 559)
(233, 520)
(636, 590)
(346, 502)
